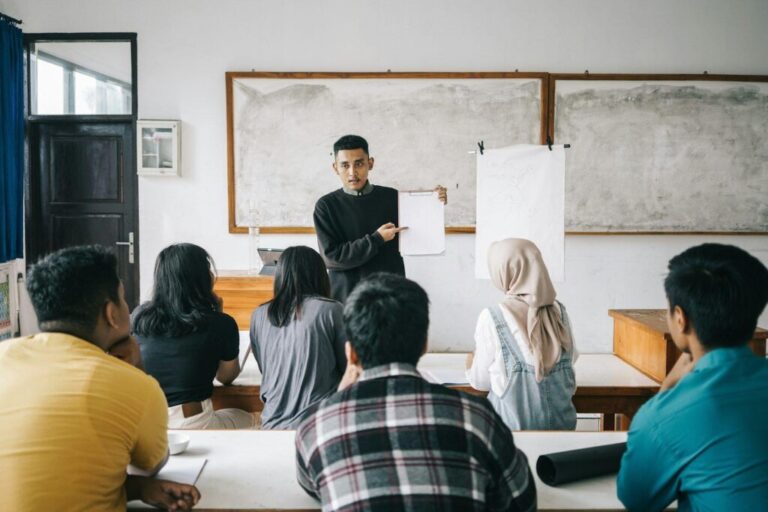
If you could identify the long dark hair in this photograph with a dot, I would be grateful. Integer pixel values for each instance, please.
(183, 297)
(300, 273)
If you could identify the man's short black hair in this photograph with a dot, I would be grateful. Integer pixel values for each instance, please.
(71, 285)
(350, 142)
(722, 289)
(386, 318)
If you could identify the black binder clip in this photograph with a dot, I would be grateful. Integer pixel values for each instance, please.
(549, 143)
(481, 146)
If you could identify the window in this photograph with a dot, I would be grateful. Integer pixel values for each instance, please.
(81, 78)
(50, 91)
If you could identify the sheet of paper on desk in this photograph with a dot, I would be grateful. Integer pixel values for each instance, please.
(245, 346)
(445, 376)
(521, 194)
(424, 216)
(245, 355)
(185, 470)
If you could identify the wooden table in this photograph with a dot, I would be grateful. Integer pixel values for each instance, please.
(605, 385)
(241, 293)
(252, 470)
(641, 338)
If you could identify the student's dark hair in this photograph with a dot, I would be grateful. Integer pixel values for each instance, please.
(350, 142)
(722, 289)
(71, 286)
(386, 318)
(300, 273)
(183, 298)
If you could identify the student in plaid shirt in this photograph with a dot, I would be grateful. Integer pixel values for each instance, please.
(389, 440)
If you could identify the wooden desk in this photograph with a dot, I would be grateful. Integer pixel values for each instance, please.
(605, 385)
(242, 293)
(642, 339)
(255, 471)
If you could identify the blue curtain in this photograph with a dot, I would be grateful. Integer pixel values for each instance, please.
(11, 142)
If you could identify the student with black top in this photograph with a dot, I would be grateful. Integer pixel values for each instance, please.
(357, 225)
(186, 340)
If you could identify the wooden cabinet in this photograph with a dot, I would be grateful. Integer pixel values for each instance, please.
(641, 338)
(242, 293)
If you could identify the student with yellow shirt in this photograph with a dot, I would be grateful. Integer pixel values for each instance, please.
(72, 416)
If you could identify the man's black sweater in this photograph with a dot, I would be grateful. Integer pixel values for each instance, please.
(346, 233)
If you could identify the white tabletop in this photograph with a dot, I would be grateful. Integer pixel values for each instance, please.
(252, 470)
(592, 370)
(596, 370)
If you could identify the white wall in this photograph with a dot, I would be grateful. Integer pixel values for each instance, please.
(185, 46)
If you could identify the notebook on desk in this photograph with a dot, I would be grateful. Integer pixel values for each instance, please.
(185, 470)
(244, 356)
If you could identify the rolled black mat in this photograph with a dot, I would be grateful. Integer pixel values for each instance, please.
(563, 467)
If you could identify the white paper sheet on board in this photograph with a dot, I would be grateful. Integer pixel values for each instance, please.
(424, 215)
(521, 194)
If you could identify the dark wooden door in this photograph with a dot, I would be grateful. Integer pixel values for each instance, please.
(82, 189)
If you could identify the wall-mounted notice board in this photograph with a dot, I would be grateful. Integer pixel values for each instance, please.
(421, 128)
(663, 153)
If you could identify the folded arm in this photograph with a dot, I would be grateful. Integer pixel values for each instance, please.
(648, 479)
(127, 349)
(228, 371)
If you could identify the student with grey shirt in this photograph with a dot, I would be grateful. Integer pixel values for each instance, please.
(297, 339)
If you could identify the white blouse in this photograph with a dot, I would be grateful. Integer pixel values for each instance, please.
(488, 371)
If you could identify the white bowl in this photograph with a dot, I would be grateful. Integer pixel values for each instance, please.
(177, 442)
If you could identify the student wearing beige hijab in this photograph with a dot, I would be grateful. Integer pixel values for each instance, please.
(524, 350)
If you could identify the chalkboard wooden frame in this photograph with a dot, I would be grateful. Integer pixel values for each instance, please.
(233, 75)
(704, 77)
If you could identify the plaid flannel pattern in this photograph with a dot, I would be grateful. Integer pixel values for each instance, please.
(393, 441)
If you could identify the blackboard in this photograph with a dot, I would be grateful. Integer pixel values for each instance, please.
(421, 128)
(658, 153)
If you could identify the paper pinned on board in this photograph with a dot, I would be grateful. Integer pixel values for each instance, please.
(521, 194)
(423, 214)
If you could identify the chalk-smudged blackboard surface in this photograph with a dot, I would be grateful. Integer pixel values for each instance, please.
(664, 156)
(419, 131)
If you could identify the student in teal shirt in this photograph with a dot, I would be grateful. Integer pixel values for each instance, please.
(703, 440)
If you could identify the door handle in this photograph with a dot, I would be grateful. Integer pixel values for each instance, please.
(129, 243)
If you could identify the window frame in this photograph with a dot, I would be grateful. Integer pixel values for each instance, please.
(69, 84)
(53, 37)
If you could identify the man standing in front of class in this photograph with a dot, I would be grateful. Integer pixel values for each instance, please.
(357, 225)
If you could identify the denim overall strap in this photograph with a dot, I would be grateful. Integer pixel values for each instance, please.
(565, 354)
(518, 405)
(509, 346)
